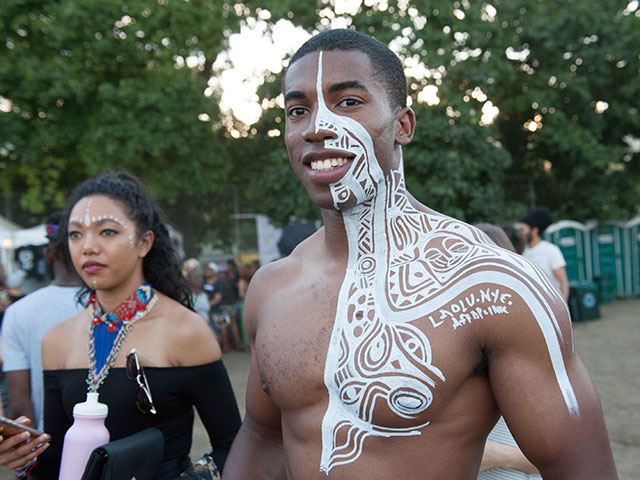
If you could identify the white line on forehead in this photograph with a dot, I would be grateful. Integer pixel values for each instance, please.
(319, 88)
(319, 78)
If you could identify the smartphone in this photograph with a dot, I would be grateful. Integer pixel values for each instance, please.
(9, 427)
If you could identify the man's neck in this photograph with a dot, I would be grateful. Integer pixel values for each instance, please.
(335, 234)
(63, 277)
(534, 242)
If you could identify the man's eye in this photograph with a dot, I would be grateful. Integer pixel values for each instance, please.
(349, 102)
(297, 111)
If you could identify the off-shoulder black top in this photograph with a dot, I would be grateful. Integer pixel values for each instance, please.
(175, 391)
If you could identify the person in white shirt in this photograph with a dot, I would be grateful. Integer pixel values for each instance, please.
(545, 254)
(26, 321)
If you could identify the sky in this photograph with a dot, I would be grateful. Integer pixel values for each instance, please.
(240, 82)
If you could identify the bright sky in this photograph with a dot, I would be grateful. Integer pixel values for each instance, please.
(255, 51)
(251, 53)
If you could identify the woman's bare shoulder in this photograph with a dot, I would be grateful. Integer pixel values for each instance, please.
(189, 339)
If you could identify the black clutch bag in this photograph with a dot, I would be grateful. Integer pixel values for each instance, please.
(138, 455)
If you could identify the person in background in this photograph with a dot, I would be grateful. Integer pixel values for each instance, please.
(5, 301)
(5, 298)
(231, 270)
(502, 458)
(545, 254)
(27, 320)
(138, 298)
(515, 236)
(245, 274)
(223, 309)
(210, 277)
(223, 292)
(193, 272)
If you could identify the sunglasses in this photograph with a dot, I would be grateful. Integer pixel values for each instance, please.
(144, 402)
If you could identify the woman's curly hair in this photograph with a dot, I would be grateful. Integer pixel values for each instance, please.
(161, 267)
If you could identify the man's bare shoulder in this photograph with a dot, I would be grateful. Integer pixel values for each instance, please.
(284, 271)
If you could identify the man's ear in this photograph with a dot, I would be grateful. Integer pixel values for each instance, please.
(145, 243)
(48, 255)
(405, 125)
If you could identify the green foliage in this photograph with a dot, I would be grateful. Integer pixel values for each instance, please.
(537, 61)
(104, 85)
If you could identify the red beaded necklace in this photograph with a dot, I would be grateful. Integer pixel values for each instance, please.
(108, 331)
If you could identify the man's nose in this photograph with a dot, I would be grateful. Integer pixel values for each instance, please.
(318, 129)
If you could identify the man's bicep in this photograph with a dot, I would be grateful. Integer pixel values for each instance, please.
(257, 450)
(558, 426)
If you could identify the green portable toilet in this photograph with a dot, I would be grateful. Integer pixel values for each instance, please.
(574, 240)
(632, 256)
(608, 260)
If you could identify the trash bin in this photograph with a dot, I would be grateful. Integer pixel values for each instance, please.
(583, 302)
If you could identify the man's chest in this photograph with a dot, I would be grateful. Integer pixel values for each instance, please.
(306, 346)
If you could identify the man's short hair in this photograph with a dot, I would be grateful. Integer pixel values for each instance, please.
(385, 64)
(540, 217)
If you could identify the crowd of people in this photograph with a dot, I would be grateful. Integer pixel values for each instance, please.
(218, 291)
(387, 344)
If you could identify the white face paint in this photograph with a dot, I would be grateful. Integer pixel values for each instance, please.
(361, 181)
(405, 265)
(88, 220)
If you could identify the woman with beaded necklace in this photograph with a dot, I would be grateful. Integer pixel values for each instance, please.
(138, 299)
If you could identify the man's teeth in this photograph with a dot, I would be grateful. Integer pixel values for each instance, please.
(328, 164)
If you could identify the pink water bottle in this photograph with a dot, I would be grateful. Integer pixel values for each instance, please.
(86, 433)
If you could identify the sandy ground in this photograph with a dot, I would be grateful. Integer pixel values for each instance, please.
(610, 349)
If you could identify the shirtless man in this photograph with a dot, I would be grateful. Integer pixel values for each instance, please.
(389, 342)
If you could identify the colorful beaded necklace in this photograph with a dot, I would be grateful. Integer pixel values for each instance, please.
(107, 331)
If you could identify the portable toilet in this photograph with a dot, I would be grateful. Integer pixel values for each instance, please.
(609, 267)
(632, 256)
(574, 240)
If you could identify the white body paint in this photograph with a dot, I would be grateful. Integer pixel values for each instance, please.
(404, 265)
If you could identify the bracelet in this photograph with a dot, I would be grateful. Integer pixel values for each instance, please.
(23, 472)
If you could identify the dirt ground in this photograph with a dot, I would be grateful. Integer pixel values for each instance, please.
(610, 349)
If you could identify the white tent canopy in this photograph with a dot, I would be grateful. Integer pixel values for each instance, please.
(12, 236)
(28, 236)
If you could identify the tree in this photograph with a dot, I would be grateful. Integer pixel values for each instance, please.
(99, 85)
(563, 76)
(93, 86)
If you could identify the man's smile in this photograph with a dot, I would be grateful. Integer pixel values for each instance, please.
(328, 164)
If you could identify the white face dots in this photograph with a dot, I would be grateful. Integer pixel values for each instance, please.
(87, 217)
(96, 214)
